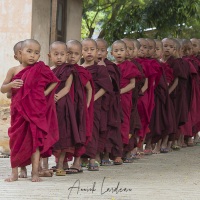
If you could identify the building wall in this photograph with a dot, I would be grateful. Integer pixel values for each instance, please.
(15, 25)
(41, 18)
(74, 17)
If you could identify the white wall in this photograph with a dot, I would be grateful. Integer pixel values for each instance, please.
(15, 25)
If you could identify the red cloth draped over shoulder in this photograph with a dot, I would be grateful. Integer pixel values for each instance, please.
(70, 112)
(182, 93)
(128, 72)
(146, 102)
(194, 108)
(113, 141)
(101, 79)
(33, 116)
(86, 77)
(163, 117)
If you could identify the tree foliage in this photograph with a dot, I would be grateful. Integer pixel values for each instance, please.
(115, 19)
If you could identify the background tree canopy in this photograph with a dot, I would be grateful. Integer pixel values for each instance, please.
(116, 19)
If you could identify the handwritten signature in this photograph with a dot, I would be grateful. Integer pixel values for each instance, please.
(76, 187)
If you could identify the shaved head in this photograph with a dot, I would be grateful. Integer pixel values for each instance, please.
(29, 41)
(74, 42)
(54, 44)
(103, 41)
(17, 47)
(119, 42)
(136, 43)
(89, 40)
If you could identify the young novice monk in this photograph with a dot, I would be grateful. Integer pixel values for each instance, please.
(32, 132)
(69, 105)
(135, 123)
(128, 74)
(102, 84)
(111, 146)
(74, 49)
(178, 88)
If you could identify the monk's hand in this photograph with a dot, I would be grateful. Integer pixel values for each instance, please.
(56, 97)
(17, 83)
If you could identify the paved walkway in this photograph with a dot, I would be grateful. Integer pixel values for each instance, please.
(172, 176)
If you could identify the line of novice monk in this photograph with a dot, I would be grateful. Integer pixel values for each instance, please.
(101, 112)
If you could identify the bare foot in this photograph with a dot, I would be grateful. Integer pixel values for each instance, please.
(46, 173)
(12, 177)
(36, 178)
(23, 173)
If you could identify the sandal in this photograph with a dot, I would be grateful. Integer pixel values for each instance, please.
(73, 170)
(128, 160)
(60, 172)
(147, 152)
(106, 163)
(164, 150)
(176, 147)
(93, 167)
(54, 168)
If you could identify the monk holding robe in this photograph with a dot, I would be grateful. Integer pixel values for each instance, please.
(33, 129)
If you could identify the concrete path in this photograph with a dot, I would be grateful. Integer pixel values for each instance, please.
(172, 176)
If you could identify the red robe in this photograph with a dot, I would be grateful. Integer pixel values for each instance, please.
(182, 93)
(113, 141)
(70, 112)
(194, 108)
(85, 77)
(33, 116)
(146, 102)
(101, 79)
(128, 71)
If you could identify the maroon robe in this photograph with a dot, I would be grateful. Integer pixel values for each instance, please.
(194, 107)
(163, 116)
(128, 72)
(70, 112)
(146, 102)
(181, 95)
(33, 116)
(113, 142)
(101, 79)
(85, 77)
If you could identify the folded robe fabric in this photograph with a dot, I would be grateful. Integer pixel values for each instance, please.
(128, 72)
(101, 79)
(33, 116)
(70, 112)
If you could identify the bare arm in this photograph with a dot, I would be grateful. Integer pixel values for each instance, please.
(89, 93)
(145, 86)
(8, 84)
(129, 87)
(65, 90)
(50, 88)
(173, 86)
(100, 93)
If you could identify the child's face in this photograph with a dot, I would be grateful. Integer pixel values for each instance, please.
(101, 51)
(58, 54)
(144, 48)
(30, 54)
(186, 50)
(159, 50)
(89, 51)
(195, 46)
(151, 52)
(74, 53)
(168, 48)
(119, 52)
(130, 49)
